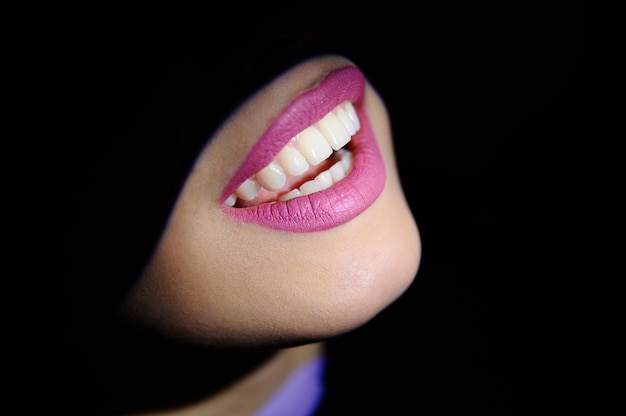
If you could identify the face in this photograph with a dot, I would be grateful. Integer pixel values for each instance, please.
(292, 225)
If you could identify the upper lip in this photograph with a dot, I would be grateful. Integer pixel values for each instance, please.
(333, 206)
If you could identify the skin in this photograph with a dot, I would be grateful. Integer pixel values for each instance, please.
(218, 282)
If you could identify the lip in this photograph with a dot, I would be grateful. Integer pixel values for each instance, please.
(338, 204)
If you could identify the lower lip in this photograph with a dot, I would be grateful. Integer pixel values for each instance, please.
(334, 206)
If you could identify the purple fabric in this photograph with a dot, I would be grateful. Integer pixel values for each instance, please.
(300, 394)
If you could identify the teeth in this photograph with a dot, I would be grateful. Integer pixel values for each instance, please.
(313, 145)
(310, 147)
(334, 131)
(230, 201)
(323, 180)
(292, 160)
(337, 171)
(272, 177)
(351, 124)
(248, 190)
(349, 117)
(290, 195)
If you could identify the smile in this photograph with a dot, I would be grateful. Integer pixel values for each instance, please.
(305, 156)
(316, 167)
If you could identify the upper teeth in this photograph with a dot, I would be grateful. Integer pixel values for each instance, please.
(309, 147)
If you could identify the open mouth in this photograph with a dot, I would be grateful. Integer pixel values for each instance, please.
(314, 160)
(317, 165)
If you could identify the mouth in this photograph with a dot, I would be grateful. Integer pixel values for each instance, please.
(312, 161)
(316, 167)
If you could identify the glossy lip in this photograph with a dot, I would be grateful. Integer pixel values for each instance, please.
(341, 202)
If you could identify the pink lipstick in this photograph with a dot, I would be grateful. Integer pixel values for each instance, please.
(342, 201)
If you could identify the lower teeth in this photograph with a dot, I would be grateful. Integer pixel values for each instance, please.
(322, 181)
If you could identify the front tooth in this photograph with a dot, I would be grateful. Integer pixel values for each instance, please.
(324, 179)
(353, 115)
(313, 145)
(310, 187)
(335, 132)
(272, 177)
(290, 195)
(346, 159)
(248, 190)
(292, 160)
(343, 116)
(337, 171)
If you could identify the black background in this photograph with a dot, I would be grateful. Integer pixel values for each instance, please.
(501, 114)
(504, 119)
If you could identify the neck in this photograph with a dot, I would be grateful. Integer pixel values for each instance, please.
(116, 370)
(246, 395)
